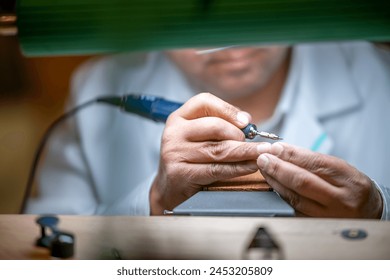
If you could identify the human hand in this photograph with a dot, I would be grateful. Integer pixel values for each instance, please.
(319, 185)
(202, 143)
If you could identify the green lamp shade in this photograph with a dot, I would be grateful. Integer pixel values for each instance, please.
(59, 27)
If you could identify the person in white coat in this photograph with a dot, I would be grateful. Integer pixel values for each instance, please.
(328, 101)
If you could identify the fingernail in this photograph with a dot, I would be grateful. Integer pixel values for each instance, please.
(262, 161)
(263, 147)
(253, 166)
(277, 148)
(243, 118)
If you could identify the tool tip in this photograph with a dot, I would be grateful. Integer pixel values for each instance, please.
(269, 135)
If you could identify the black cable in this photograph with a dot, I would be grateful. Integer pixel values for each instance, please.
(42, 143)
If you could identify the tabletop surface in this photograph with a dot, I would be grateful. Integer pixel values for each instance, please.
(97, 237)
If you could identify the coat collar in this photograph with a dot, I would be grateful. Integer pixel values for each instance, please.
(326, 79)
(319, 87)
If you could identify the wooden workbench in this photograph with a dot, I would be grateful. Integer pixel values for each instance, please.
(196, 237)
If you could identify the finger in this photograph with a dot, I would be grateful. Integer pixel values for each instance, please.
(205, 174)
(206, 105)
(223, 151)
(212, 129)
(330, 168)
(302, 205)
(297, 179)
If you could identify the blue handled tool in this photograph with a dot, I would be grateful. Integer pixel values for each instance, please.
(158, 109)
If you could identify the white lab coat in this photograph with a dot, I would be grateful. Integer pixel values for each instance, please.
(336, 101)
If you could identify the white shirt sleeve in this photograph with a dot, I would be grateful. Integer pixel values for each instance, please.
(66, 185)
(63, 179)
(135, 203)
(385, 193)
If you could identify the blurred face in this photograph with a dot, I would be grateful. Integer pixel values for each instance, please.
(230, 73)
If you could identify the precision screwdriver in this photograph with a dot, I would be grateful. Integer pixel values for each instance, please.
(158, 109)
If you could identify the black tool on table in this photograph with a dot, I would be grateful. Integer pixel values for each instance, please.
(60, 243)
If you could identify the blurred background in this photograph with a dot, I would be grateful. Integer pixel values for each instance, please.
(33, 92)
